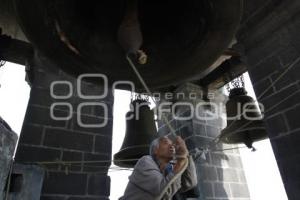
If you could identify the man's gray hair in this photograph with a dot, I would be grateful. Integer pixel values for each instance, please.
(154, 144)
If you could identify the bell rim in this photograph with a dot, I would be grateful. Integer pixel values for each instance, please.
(137, 149)
(228, 134)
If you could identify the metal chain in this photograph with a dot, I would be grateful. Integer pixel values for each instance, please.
(238, 82)
(242, 81)
(228, 87)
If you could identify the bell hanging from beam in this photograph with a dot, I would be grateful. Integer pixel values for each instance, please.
(140, 132)
(244, 120)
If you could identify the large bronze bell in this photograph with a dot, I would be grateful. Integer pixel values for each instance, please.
(243, 126)
(181, 38)
(140, 131)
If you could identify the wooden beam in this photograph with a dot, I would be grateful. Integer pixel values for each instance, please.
(226, 72)
(13, 50)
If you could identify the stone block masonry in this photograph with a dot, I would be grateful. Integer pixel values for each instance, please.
(8, 140)
(61, 138)
(270, 38)
(221, 174)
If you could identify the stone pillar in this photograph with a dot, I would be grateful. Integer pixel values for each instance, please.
(8, 140)
(269, 35)
(221, 174)
(52, 132)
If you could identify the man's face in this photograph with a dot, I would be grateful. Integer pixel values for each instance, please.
(165, 148)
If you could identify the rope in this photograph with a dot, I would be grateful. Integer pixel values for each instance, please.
(74, 163)
(166, 121)
(79, 162)
(268, 88)
(228, 149)
(280, 76)
(167, 187)
(216, 140)
(246, 124)
(150, 93)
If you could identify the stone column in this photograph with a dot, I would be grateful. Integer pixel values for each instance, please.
(221, 174)
(54, 130)
(8, 140)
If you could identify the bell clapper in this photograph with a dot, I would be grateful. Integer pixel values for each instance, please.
(142, 57)
(253, 149)
(130, 35)
(250, 146)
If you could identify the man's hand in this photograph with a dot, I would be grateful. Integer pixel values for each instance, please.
(181, 149)
(181, 154)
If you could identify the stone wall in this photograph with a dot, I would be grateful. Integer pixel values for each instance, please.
(60, 137)
(8, 140)
(269, 36)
